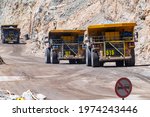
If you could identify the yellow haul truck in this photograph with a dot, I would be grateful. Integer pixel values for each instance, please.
(10, 33)
(110, 43)
(65, 45)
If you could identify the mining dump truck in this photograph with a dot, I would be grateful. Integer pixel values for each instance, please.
(65, 45)
(110, 43)
(10, 34)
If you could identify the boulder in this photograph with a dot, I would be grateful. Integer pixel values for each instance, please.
(1, 60)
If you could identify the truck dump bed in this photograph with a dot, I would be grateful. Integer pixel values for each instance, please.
(112, 32)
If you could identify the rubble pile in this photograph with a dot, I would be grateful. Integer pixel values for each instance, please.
(1, 61)
(28, 95)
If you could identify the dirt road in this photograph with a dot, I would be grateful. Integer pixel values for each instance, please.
(65, 81)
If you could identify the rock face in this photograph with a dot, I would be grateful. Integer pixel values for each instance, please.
(36, 18)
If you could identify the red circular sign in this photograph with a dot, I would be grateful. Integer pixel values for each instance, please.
(123, 87)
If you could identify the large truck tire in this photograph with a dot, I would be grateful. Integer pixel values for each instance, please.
(119, 63)
(18, 41)
(47, 56)
(3, 40)
(54, 57)
(131, 62)
(95, 59)
(88, 56)
(72, 61)
(101, 64)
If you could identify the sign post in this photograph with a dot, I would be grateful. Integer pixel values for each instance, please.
(123, 88)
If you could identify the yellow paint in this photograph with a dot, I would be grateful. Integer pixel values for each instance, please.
(68, 38)
(67, 53)
(112, 25)
(112, 36)
(20, 99)
(110, 52)
(68, 31)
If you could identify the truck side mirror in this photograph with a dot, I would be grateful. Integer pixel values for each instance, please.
(136, 36)
(84, 46)
(46, 40)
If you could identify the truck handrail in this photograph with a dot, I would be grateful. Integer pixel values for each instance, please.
(95, 39)
(60, 41)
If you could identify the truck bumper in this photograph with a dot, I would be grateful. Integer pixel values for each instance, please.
(69, 58)
(114, 59)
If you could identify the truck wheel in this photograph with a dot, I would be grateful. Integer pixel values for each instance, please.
(119, 63)
(54, 57)
(72, 61)
(3, 41)
(101, 64)
(83, 61)
(18, 41)
(88, 56)
(47, 56)
(131, 62)
(95, 59)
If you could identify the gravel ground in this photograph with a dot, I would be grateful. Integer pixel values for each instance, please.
(65, 81)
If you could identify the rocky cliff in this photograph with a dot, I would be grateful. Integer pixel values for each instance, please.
(36, 18)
